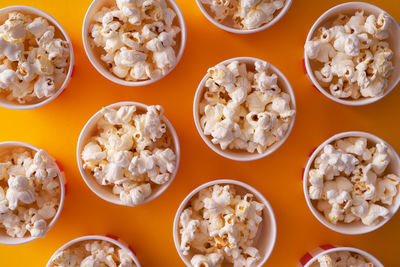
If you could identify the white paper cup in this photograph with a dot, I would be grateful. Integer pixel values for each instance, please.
(266, 236)
(394, 42)
(279, 14)
(104, 192)
(8, 240)
(236, 154)
(37, 12)
(100, 66)
(116, 241)
(358, 227)
(311, 257)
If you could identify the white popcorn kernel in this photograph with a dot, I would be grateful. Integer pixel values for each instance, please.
(19, 190)
(210, 260)
(374, 213)
(380, 159)
(386, 189)
(38, 27)
(44, 86)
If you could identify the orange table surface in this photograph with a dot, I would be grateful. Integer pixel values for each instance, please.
(148, 228)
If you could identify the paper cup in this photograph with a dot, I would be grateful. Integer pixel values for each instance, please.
(208, 14)
(358, 227)
(236, 154)
(104, 192)
(266, 236)
(37, 12)
(94, 56)
(394, 42)
(112, 239)
(311, 257)
(8, 240)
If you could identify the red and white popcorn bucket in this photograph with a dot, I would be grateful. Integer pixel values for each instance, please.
(311, 257)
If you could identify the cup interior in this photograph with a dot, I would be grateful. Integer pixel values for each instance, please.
(241, 155)
(59, 33)
(94, 52)
(105, 192)
(350, 9)
(355, 227)
(266, 235)
(366, 255)
(5, 148)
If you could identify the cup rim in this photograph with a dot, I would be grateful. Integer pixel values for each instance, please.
(309, 70)
(111, 77)
(24, 240)
(255, 192)
(93, 120)
(321, 218)
(34, 11)
(282, 12)
(95, 237)
(366, 255)
(246, 155)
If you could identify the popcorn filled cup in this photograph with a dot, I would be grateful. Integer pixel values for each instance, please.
(39, 77)
(244, 109)
(128, 153)
(128, 49)
(196, 247)
(244, 17)
(82, 250)
(32, 193)
(332, 254)
(351, 53)
(351, 183)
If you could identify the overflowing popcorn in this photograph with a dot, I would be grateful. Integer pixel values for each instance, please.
(342, 259)
(243, 109)
(349, 182)
(137, 38)
(244, 14)
(29, 193)
(91, 254)
(353, 56)
(131, 152)
(220, 226)
(34, 61)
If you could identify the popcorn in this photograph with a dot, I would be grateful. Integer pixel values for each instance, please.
(92, 253)
(245, 14)
(349, 181)
(131, 153)
(341, 258)
(244, 109)
(220, 227)
(352, 57)
(30, 192)
(33, 62)
(137, 38)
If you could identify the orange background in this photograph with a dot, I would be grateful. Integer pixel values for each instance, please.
(148, 228)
